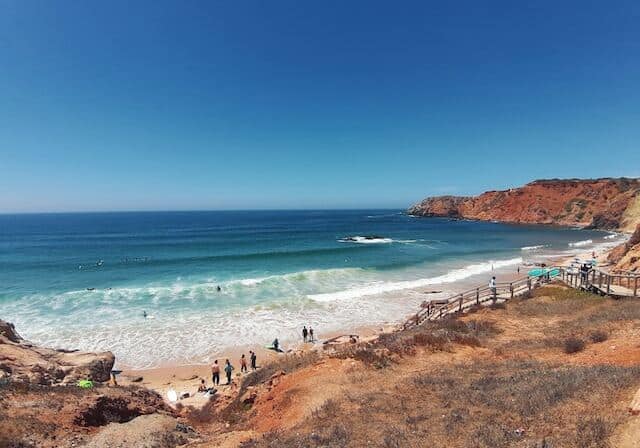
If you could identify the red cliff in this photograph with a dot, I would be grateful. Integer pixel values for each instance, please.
(612, 204)
(627, 256)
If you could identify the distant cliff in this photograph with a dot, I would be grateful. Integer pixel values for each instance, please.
(612, 204)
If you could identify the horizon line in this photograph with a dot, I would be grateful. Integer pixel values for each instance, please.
(78, 212)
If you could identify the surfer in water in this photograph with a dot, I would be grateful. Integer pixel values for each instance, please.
(144, 314)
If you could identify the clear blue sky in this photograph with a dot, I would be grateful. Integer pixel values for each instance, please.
(113, 105)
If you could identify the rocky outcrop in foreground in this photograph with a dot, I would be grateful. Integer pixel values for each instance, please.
(40, 405)
(612, 204)
(23, 362)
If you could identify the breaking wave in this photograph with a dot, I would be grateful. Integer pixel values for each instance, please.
(385, 287)
(581, 243)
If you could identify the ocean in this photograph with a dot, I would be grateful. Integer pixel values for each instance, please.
(84, 280)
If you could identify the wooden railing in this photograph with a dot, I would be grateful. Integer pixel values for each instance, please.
(457, 303)
(626, 284)
(616, 283)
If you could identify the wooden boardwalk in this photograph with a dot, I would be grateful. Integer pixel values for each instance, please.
(613, 284)
(618, 284)
(480, 296)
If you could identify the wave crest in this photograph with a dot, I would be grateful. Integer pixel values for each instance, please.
(385, 287)
(581, 243)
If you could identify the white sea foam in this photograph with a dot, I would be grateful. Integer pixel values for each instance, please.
(374, 240)
(532, 247)
(365, 240)
(385, 287)
(611, 236)
(194, 322)
(581, 243)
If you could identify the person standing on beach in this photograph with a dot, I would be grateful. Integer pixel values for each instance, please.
(243, 363)
(494, 289)
(304, 333)
(215, 373)
(311, 334)
(253, 360)
(228, 368)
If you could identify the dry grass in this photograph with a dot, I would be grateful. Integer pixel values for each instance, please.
(435, 336)
(482, 402)
(288, 363)
(235, 412)
(598, 336)
(573, 345)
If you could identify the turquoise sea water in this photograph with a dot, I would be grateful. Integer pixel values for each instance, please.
(84, 280)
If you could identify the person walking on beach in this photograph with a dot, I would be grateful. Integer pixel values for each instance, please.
(310, 334)
(253, 360)
(243, 363)
(304, 333)
(276, 345)
(215, 373)
(228, 368)
(494, 289)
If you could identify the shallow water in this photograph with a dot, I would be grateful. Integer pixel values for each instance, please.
(84, 280)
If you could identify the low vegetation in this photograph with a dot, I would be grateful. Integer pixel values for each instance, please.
(573, 345)
(440, 335)
(519, 387)
(234, 412)
(598, 336)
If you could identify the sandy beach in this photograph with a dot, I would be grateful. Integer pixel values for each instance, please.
(185, 379)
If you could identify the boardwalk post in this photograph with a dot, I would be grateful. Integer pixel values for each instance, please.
(635, 287)
(608, 283)
(460, 306)
(529, 285)
(511, 289)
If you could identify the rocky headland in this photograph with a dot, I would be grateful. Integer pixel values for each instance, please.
(608, 204)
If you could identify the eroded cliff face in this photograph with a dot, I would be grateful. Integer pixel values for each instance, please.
(627, 256)
(612, 204)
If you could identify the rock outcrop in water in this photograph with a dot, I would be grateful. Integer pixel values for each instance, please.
(612, 204)
(22, 361)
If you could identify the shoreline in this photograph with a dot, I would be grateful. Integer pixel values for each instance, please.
(186, 378)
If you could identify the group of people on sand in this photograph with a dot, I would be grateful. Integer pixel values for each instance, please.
(228, 370)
